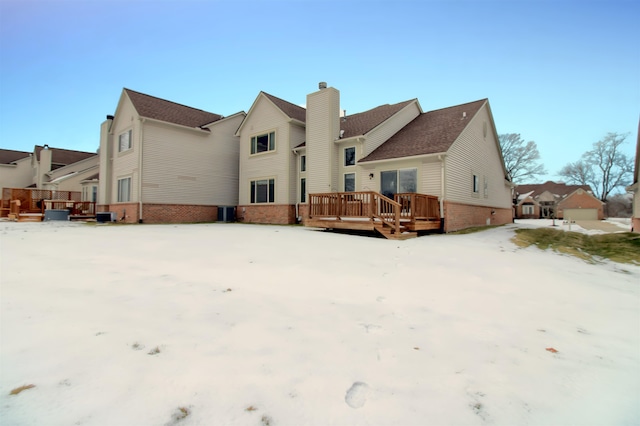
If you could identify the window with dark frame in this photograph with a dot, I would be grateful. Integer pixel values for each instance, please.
(263, 143)
(476, 184)
(349, 182)
(262, 191)
(303, 190)
(350, 156)
(303, 163)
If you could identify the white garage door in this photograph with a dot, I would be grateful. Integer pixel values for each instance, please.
(581, 214)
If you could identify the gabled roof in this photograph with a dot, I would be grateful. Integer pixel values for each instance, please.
(64, 156)
(364, 122)
(8, 156)
(170, 112)
(291, 110)
(556, 188)
(429, 133)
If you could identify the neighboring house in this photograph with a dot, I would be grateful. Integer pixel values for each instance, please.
(15, 169)
(45, 168)
(634, 188)
(165, 162)
(288, 153)
(551, 200)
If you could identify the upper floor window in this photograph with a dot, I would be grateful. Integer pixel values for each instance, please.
(263, 191)
(350, 156)
(303, 163)
(124, 141)
(476, 184)
(263, 143)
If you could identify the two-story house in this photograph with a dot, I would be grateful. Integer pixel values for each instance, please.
(161, 161)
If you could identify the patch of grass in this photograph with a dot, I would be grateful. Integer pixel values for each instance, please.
(154, 351)
(250, 408)
(473, 230)
(21, 388)
(622, 247)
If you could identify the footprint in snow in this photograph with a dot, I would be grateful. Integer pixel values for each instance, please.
(357, 395)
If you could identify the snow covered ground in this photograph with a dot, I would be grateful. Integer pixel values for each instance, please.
(231, 324)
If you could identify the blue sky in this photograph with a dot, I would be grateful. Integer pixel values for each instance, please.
(560, 73)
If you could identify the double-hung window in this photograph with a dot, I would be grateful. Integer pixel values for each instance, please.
(350, 156)
(263, 191)
(124, 190)
(263, 143)
(124, 141)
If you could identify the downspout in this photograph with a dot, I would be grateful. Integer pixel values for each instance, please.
(297, 181)
(141, 133)
(442, 186)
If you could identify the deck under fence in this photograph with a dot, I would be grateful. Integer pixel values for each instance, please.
(399, 218)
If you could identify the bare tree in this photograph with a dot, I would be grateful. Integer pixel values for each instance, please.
(520, 158)
(604, 167)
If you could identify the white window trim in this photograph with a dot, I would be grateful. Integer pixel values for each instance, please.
(118, 194)
(344, 156)
(130, 147)
(251, 184)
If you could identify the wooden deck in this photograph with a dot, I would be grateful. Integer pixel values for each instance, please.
(398, 219)
(29, 204)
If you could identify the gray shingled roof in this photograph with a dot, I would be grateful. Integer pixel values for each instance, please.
(429, 133)
(170, 112)
(8, 156)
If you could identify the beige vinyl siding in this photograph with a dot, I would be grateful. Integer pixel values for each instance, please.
(380, 135)
(17, 175)
(364, 183)
(73, 183)
(323, 126)
(296, 136)
(431, 182)
(185, 166)
(473, 153)
(264, 118)
(125, 164)
(342, 169)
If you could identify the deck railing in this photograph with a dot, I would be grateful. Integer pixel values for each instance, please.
(418, 206)
(367, 204)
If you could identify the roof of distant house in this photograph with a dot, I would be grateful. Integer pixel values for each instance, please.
(170, 112)
(62, 157)
(429, 133)
(8, 156)
(557, 188)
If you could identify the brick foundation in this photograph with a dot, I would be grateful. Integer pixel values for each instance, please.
(635, 224)
(125, 212)
(461, 216)
(162, 213)
(277, 214)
